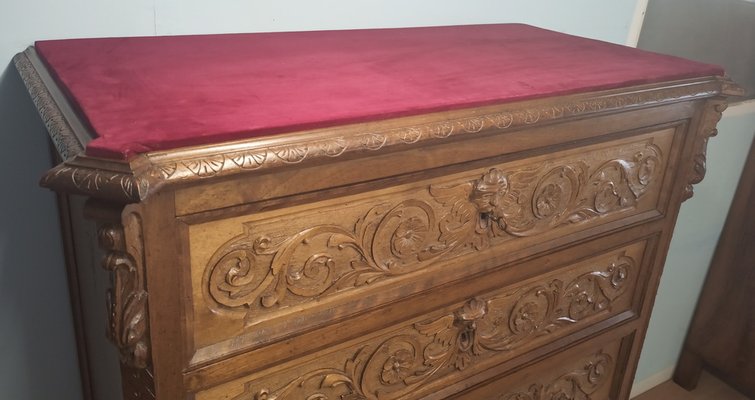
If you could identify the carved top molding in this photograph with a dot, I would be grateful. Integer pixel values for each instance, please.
(60, 130)
(134, 180)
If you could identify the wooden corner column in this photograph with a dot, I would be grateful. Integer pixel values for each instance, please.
(120, 237)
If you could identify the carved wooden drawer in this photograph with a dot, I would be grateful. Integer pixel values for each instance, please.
(444, 346)
(587, 372)
(345, 255)
(437, 227)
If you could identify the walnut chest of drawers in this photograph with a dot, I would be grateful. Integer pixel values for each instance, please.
(476, 212)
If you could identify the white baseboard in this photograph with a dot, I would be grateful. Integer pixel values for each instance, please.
(652, 381)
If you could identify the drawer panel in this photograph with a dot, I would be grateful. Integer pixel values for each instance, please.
(250, 274)
(586, 372)
(456, 342)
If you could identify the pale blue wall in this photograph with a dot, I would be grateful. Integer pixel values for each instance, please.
(37, 353)
(37, 358)
(700, 222)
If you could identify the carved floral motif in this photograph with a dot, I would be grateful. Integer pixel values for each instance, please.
(478, 330)
(256, 271)
(127, 298)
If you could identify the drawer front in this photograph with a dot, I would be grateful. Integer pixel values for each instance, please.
(588, 372)
(447, 345)
(250, 274)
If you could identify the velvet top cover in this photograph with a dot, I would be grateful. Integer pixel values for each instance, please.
(157, 93)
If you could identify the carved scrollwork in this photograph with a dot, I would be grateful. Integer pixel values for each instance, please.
(480, 328)
(127, 298)
(531, 200)
(575, 385)
(322, 259)
(707, 129)
(256, 271)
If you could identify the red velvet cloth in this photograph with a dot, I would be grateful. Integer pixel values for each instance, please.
(157, 93)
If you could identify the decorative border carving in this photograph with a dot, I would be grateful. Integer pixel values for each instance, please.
(127, 298)
(479, 329)
(100, 183)
(217, 163)
(60, 131)
(713, 111)
(151, 171)
(258, 272)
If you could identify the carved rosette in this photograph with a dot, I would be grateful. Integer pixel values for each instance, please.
(127, 298)
(712, 114)
(579, 384)
(257, 272)
(479, 329)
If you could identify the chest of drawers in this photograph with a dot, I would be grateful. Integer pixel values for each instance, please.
(473, 212)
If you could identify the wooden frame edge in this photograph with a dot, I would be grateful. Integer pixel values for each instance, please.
(134, 180)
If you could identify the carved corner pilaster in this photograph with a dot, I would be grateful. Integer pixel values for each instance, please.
(127, 297)
(714, 109)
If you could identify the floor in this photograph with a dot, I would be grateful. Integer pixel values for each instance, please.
(709, 388)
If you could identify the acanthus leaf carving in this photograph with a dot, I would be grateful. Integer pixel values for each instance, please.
(127, 298)
(480, 328)
(707, 129)
(107, 184)
(256, 272)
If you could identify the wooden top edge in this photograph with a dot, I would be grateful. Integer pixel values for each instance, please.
(67, 143)
(135, 180)
(731, 89)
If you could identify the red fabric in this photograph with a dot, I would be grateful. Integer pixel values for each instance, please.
(157, 93)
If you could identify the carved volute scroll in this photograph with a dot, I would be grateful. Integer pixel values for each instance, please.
(259, 272)
(713, 112)
(127, 298)
(481, 328)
